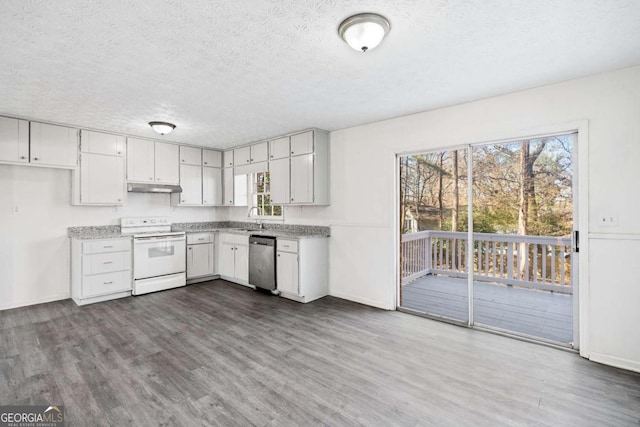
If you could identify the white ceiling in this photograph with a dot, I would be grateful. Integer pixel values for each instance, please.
(236, 71)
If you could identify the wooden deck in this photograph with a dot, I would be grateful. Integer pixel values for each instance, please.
(532, 312)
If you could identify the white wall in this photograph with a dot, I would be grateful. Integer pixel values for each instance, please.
(34, 248)
(362, 211)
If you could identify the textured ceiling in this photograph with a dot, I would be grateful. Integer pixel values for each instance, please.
(236, 71)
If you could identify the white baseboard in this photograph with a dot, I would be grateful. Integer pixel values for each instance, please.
(365, 301)
(18, 304)
(617, 362)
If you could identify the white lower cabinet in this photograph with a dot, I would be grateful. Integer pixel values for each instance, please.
(233, 257)
(200, 255)
(100, 270)
(302, 272)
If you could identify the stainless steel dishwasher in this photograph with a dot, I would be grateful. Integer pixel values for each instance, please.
(262, 262)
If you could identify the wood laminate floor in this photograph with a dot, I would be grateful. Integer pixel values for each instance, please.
(221, 354)
(532, 312)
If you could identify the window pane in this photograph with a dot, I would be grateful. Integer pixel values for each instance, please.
(277, 210)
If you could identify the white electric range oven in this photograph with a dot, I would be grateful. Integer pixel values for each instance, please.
(159, 254)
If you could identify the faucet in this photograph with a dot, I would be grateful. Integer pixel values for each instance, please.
(258, 221)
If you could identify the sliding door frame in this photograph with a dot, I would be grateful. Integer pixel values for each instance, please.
(580, 220)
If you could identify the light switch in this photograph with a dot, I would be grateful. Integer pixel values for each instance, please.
(608, 220)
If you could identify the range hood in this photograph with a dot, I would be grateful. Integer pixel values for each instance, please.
(153, 188)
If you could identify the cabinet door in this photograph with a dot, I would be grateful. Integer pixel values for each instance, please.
(227, 182)
(167, 168)
(101, 179)
(242, 263)
(302, 179)
(199, 260)
(242, 156)
(101, 143)
(140, 160)
(227, 260)
(212, 158)
(190, 156)
(211, 186)
(260, 152)
(14, 140)
(53, 145)
(279, 174)
(279, 148)
(287, 272)
(191, 183)
(227, 159)
(302, 143)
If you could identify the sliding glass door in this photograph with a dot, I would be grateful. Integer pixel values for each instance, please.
(434, 239)
(515, 263)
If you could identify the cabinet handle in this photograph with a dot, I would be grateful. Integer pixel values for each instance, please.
(278, 254)
(150, 179)
(230, 201)
(107, 247)
(189, 248)
(157, 179)
(182, 160)
(35, 158)
(204, 201)
(248, 160)
(200, 239)
(205, 163)
(292, 199)
(22, 157)
(182, 201)
(119, 200)
(292, 152)
(108, 283)
(108, 262)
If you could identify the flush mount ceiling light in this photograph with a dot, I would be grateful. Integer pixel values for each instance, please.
(162, 128)
(364, 31)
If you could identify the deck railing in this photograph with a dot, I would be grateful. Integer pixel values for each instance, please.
(536, 262)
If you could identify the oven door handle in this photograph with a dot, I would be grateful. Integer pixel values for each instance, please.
(158, 239)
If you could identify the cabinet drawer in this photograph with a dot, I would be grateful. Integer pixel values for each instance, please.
(106, 263)
(110, 245)
(196, 238)
(238, 239)
(102, 284)
(287, 245)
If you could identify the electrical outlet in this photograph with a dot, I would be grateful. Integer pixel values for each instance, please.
(608, 220)
(15, 209)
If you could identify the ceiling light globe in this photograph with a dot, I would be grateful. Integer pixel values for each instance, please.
(162, 128)
(365, 31)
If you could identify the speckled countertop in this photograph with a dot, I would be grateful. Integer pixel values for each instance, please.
(244, 228)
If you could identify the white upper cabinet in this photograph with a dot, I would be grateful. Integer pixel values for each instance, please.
(167, 170)
(191, 183)
(242, 156)
(190, 155)
(14, 140)
(260, 152)
(211, 158)
(53, 145)
(279, 148)
(140, 160)
(302, 143)
(99, 180)
(152, 161)
(279, 175)
(302, 179)
(256, 153)
(211, 186)
(227, 181)
(227, 158)
(102, 143)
